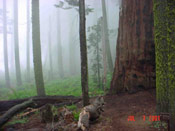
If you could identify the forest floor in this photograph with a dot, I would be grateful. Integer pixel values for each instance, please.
(119, 107)
(115, 116)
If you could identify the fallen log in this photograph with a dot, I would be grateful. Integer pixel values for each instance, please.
(14, 110)
(40, 101)
(31, 111)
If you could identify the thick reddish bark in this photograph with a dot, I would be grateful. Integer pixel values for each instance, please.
(135, 61)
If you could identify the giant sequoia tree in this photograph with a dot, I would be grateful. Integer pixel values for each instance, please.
(135, 60)
(37, 48)
(164, 15)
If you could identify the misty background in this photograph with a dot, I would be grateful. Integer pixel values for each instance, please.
(52, 18)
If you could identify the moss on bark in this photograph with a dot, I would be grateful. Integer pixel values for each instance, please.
(164, 15)
(171, 61)
(160, 26)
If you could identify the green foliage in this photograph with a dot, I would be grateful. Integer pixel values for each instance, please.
(159, 124)
(75, 110)
(16, 120)
(65, 87)
(76, 115)
(54, 110)
(94, 40)
(72, 4)
(72, 107)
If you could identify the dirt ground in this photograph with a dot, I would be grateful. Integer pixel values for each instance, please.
(115, 115)
(119, 107)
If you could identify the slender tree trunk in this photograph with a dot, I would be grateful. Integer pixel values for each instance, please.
(12, 63)
(50, 50)
(83, 53)
(98, 65)
(37, 48)
(171, 61)
(107, 44)
(160, 20)
(104, 57)
(71, 48)
(72, 66)
(7, 77)
(60, 59)
(28, 40)
(16, 40)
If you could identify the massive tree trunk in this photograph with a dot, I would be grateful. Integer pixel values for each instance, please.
(171, 61)
(83, 53)
(16, 40)
(60, 59)
(107, 44)
(160, 26)
(7, 77)
(135, 60)
(37, 48)
(28, 40)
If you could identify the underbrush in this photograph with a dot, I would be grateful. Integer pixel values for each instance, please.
(64, 87)
(16, 120)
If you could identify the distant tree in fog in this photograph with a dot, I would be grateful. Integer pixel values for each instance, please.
(72, 66)
(28, 40)
(106, 35)
(60, 57)
(7, 77)
(94, 40)
(50, 50)
(16, 40)
(37, 48)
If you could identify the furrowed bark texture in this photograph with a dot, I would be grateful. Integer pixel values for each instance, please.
(135, 60)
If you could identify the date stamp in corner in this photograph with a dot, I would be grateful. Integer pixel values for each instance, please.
(144, 117)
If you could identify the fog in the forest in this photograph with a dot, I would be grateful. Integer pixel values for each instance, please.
(57, 25)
